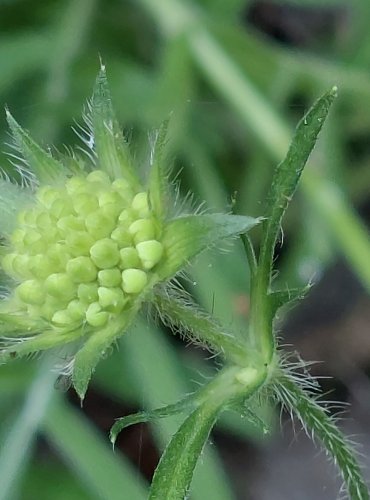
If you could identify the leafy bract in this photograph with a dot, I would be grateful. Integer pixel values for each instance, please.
(178, 311)
(13, 199)
(158, 180)
(181, 406)
(18, 347)
(185, 237)
(109, 144)
(95, 347)
(43, 166)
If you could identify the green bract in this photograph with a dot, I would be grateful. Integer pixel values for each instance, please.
(85, 244)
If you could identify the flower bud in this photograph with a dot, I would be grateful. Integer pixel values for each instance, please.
(109, 277)
(99, 225)
(129, 258)
(121, 236)
(40, 266)
(150, 253)
(134, 280)
(111, 299)
(142, 230)
(75, 185)
(63, 318)
(21, 266)
(79, 243)
(76, 309)
(69, 224)
(60, 208)
(31, 292)
(81, 270)
(84, 204)
(95, 316)
(60, 286)
(58, 255)
(104, 253)
(87, 292)
(140, 204)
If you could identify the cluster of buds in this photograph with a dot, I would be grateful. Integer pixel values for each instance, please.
(86, 243)
(83, 252)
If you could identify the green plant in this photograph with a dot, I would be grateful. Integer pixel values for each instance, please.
(88, 243)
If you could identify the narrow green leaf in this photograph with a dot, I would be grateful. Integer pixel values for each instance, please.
(17, 347)
(284, 184)
(182, 314)
(158, 181)
(110, 146)
(13, 199)
(317, 421)
(181, 406)
(105, 475)
(46, 168)
(288, 173)
(185, 237)
(175, 470)
(96, 346)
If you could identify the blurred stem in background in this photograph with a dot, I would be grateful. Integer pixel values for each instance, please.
(19, 439)
(177, 19)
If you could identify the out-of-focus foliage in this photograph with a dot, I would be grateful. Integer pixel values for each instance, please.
(235, 76)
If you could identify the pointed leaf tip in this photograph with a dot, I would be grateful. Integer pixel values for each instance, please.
(45, 168)
(185, 237)
(185, 404)
(159, 172)
(111, 148)
(288, 172)
(96, 346)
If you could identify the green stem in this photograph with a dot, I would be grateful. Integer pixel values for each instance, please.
(249, 251)
(174, 473)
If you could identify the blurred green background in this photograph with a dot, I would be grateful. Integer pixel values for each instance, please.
(236, 75)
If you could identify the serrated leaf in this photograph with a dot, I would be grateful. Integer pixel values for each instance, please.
(110, 146)
(174, 473)
(181, 406)
(15, 347)
(45, 168)
(185, 237)
(320, 424)
(158, 180)
(13, 199)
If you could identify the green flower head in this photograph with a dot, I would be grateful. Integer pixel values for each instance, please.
(85, 244)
